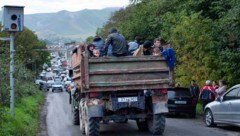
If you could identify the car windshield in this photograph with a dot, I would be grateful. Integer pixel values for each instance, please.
(57, 83)
(179, 93)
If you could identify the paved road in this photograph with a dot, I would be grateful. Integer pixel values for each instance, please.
(59, 123)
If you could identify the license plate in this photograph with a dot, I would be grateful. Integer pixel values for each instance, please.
(128, 99)
(180, 102)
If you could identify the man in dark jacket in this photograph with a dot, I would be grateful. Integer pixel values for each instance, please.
(118, 42)
(194, 89)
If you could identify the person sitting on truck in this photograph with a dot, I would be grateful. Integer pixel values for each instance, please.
(118, 42)
(156, 51)
(99, 43)
(134, 45)
(96, 53)
(169, 55)
(147, 48)
(144, 49)
(90, 49)
(157, 44)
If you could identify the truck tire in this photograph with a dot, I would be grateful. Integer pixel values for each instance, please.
(92, 125)
(70, 98)
(75, 117)
(156, 124)
(142, 125)
(81, 117)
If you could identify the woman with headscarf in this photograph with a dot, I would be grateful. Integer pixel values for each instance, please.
(90, 49)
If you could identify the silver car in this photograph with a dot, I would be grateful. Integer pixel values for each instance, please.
(225, 110)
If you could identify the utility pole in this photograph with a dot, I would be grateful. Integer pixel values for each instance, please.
(12, 22)
(11, 74)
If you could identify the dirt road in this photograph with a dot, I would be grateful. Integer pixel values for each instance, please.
(58, 120)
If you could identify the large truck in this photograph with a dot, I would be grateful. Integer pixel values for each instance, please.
(120, 89)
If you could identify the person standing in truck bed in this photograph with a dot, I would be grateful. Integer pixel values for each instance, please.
(118, 42)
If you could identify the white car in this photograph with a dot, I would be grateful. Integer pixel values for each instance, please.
(50, 81)
(225, 110)
(37, 81)
(57, 86)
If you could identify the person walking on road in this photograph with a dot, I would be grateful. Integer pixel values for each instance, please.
(118, 42)
(215, 85)
(207, 94)
(222, 88)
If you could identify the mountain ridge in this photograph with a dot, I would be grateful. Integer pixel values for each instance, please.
(65, 26)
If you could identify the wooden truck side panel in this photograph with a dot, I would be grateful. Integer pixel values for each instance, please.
(124, 73)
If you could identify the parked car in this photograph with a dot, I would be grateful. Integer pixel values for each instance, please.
(180, 100)
(42, 84)
(225, 109)
(67, 82)
(37, 81)
(57, 86)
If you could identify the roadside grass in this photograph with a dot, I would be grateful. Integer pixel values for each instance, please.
(25, 122)
(199, 109)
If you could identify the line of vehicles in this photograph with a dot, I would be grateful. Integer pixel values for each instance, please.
(55, 78)
(55, 83)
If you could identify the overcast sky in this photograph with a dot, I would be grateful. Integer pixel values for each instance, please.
(47, 6)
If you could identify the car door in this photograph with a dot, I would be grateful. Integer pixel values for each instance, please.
(229, 105)
(235, 108)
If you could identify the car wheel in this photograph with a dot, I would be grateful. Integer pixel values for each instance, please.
(208, 118)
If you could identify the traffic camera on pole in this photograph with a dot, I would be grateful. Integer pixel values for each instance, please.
(12, 18)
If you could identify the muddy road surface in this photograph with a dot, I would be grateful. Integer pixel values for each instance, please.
(58, 121)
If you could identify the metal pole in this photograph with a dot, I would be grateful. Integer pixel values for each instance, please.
(11, 74)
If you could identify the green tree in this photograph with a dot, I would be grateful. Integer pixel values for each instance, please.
(205, 34)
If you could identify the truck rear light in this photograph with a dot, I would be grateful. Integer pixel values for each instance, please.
(163, 91)
(159, 92)
(95, 95)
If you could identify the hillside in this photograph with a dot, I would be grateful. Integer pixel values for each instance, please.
(66, 26)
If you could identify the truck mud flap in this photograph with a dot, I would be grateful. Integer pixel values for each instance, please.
(95, 108)
(159, 101)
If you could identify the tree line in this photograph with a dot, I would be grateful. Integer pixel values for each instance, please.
(205, 34)
(28, 61)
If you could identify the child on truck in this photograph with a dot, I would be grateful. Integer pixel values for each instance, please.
(156, 51)
(96, 53)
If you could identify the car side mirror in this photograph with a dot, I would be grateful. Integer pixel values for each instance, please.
(220, 99)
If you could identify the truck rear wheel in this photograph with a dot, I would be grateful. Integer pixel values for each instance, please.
(156, 124)
(92, 125)
(75, 116)
(142, 125)
(81, 119)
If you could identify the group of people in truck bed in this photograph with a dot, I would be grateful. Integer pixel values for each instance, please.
(117, 46)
